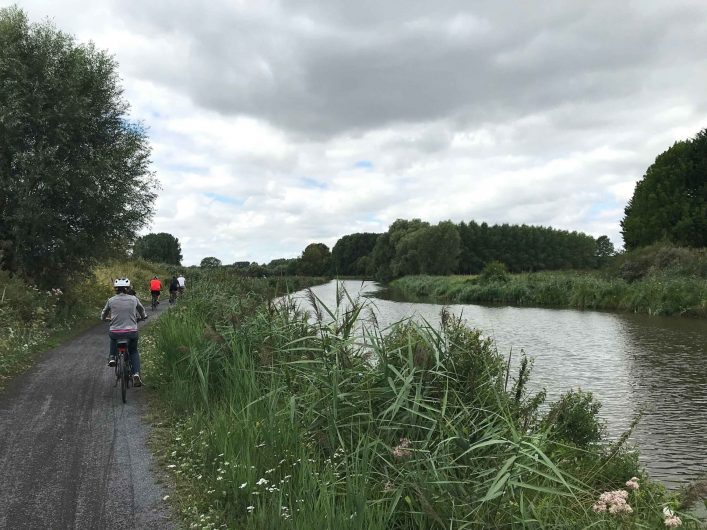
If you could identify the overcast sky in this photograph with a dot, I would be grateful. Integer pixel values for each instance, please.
(278, 124)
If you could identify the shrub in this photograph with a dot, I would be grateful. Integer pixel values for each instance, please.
(494, 271)
(574, 418)
(660, 257)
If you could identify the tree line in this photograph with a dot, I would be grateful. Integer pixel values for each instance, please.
(417, 247)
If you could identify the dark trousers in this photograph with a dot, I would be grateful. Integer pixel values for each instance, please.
(131, 337)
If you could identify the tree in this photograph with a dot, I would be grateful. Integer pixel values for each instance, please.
(605, 250)
(440, 248)
(670, 201)
(315, 260)
(283, 267)
(162, 247)
(349, 251)
(75, 182)
(210, 262)
(404, 238)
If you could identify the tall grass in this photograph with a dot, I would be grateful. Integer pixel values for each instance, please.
(658, 294)
(283, 420)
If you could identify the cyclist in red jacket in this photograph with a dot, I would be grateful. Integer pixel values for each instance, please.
(156, 288)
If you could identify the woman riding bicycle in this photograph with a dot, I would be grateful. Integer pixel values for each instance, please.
(124, 310)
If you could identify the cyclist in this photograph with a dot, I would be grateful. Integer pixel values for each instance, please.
(173, 288)
(182, 283)
(123, 310)
(156, 288)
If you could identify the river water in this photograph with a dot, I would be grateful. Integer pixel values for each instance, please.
(631, 363)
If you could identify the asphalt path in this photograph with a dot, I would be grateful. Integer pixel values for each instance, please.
(72, 455)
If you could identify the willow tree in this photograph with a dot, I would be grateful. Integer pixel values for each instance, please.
(75, 182)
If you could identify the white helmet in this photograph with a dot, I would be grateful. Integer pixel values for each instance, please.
(121, 282)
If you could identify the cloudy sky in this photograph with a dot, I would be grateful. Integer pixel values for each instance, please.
(277, 124)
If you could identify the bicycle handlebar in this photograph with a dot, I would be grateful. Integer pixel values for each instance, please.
(139, 319)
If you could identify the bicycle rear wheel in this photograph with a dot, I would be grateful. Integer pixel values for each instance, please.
(122, 375)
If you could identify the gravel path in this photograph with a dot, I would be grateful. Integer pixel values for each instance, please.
(71, 454)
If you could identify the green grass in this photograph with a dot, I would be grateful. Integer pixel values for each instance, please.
(276, 421)
(657, 294)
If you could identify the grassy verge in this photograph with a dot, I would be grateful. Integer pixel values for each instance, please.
(656, 294)
(32, 320)
(273, 420)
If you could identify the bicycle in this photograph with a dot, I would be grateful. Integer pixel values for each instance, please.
(123, 367)
(172, 297)
(155, 301)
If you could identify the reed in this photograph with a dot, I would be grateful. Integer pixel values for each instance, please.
(282, 419)
(660, 293)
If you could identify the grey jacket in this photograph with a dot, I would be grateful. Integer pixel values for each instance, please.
(123, 309)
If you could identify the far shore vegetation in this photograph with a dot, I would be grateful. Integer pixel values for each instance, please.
(658, 280)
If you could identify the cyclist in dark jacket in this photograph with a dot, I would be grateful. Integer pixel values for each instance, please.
(173, 288)
(124, 310)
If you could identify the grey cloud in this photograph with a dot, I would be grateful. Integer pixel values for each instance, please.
(322, 68)
(494, 111)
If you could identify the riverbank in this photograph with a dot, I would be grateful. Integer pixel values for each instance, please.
(276, 422)
(656, 294)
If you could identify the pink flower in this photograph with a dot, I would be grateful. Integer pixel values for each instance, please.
(673, 521)
(614, 502)
(632, 484)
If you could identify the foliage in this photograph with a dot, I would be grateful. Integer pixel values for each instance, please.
(210, 262)
(158, 248)
(349, 256)
(661, 257)
(670, 201)
(315, 260)
(494, 271)
(574, 419)
(524, 248)
(416, 247)
(604, 251)
(74, 178)
(139, 271)
(283, 267)
(283, 421)
(659, 293)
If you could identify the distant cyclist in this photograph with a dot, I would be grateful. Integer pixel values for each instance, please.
(182, 283)
(156, 288)
(124, 310)
(173, 288)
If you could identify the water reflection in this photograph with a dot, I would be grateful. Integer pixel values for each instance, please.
(630, 362)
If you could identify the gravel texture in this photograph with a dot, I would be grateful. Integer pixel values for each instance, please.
(72, 455)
